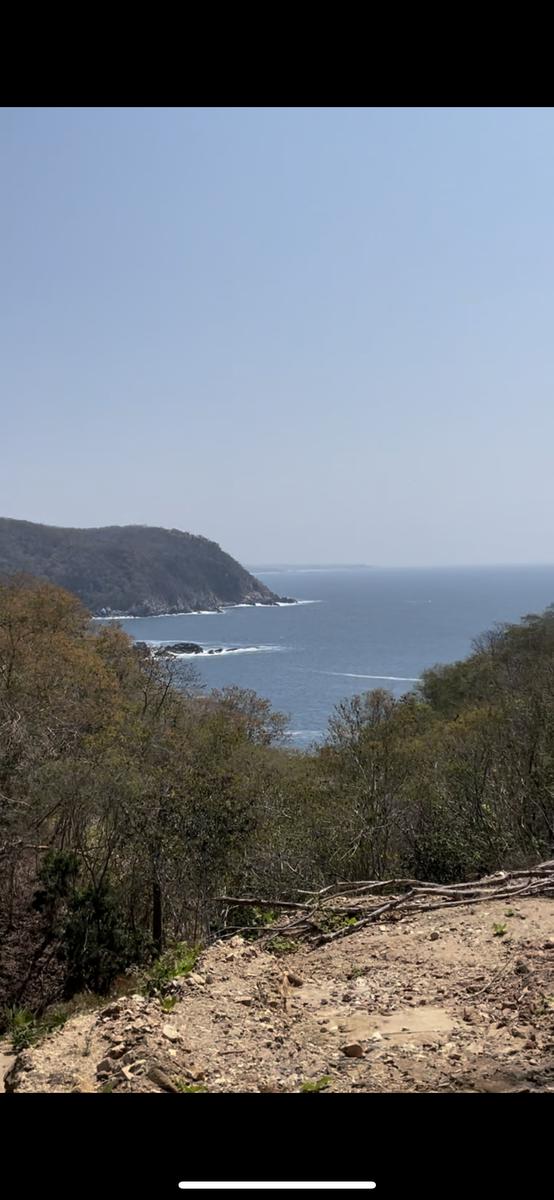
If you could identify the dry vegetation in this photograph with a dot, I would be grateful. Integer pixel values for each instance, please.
(135, 816)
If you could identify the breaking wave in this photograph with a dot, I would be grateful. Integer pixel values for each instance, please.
(218, 651)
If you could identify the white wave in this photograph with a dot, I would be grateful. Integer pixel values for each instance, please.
(121, 618)
(355, 675)
(245, 604)
(199, 612)
(276, 604)
(205, 612)
(257, 604)
(202, 612)
(294, 603)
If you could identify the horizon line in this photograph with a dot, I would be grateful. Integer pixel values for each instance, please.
(465, 566)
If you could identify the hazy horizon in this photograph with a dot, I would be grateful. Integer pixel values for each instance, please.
(312, 335)
(282, 564)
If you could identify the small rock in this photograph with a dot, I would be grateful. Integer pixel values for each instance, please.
(137, 1067)
(244, 1000)
(105, 1066)
(434, 936)
(159, 1076)
(353, 1050)
(125, 1073)
(113, 1010)
(194, 1073)
(171, 1033)
(521, 968)
(376, 1037)
(118, 1051)
(294, 980)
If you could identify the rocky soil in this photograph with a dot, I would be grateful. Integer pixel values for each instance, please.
(435, 1003)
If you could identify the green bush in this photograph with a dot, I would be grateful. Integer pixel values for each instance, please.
(177, 960)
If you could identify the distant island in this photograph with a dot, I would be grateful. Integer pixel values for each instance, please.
(131, 570)
(311, 567)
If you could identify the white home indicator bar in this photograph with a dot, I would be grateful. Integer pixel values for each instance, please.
(235, 1186)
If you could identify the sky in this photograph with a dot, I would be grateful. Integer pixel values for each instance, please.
(311, 334)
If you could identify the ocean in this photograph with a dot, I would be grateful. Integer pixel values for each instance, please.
(356, 629)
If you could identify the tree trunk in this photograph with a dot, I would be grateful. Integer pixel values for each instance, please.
(157, 916)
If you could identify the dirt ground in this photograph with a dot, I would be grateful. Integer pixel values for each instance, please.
(435, 1003)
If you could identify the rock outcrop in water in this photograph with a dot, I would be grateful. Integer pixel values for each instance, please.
(131, 570)
(175, 649)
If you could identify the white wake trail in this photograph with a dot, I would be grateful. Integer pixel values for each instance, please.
(391, 678)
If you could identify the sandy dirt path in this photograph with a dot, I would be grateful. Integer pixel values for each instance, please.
(435, 1002)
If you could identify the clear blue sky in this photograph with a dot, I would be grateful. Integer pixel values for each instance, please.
(310, 334)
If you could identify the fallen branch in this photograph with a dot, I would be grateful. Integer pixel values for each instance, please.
(377, 912)
(246, 901)
(416, 897)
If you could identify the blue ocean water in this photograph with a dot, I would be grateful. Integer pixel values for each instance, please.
(362, 628)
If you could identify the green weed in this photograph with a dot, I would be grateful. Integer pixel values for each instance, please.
(190, 1087)
(178, 960)
(357, 972)
(26, 1029)
(316, 1085)
(282, 945)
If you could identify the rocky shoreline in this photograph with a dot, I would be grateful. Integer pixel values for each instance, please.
(148, 610)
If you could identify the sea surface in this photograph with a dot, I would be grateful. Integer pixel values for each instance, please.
(357, 629)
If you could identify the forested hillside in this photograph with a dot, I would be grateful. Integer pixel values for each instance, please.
(130, 569)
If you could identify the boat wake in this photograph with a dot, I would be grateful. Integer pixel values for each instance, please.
(391, 678)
